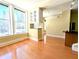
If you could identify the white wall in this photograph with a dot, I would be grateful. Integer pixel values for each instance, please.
(55, 25)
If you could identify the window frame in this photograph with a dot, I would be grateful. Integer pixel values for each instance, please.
(7, 5)
(19, 9)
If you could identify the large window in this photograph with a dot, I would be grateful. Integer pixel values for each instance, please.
(19, 21)
(4, 20)
(12, 20)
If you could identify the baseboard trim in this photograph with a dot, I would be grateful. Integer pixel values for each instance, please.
(58, 36)
(32, 38)
(11, 42)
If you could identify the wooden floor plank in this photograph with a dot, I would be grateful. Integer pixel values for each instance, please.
(53, 48)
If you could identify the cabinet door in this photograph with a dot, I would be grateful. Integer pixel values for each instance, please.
(71, 38)
(40, 33)
(68, 39)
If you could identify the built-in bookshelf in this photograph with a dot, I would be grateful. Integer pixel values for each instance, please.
(36, 18)
(33, 19)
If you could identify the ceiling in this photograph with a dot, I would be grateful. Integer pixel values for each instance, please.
(28, 4)
(51, 6)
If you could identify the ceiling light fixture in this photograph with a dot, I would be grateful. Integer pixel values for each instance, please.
(73, 2)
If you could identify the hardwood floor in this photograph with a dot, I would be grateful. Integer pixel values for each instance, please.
(53, 48)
